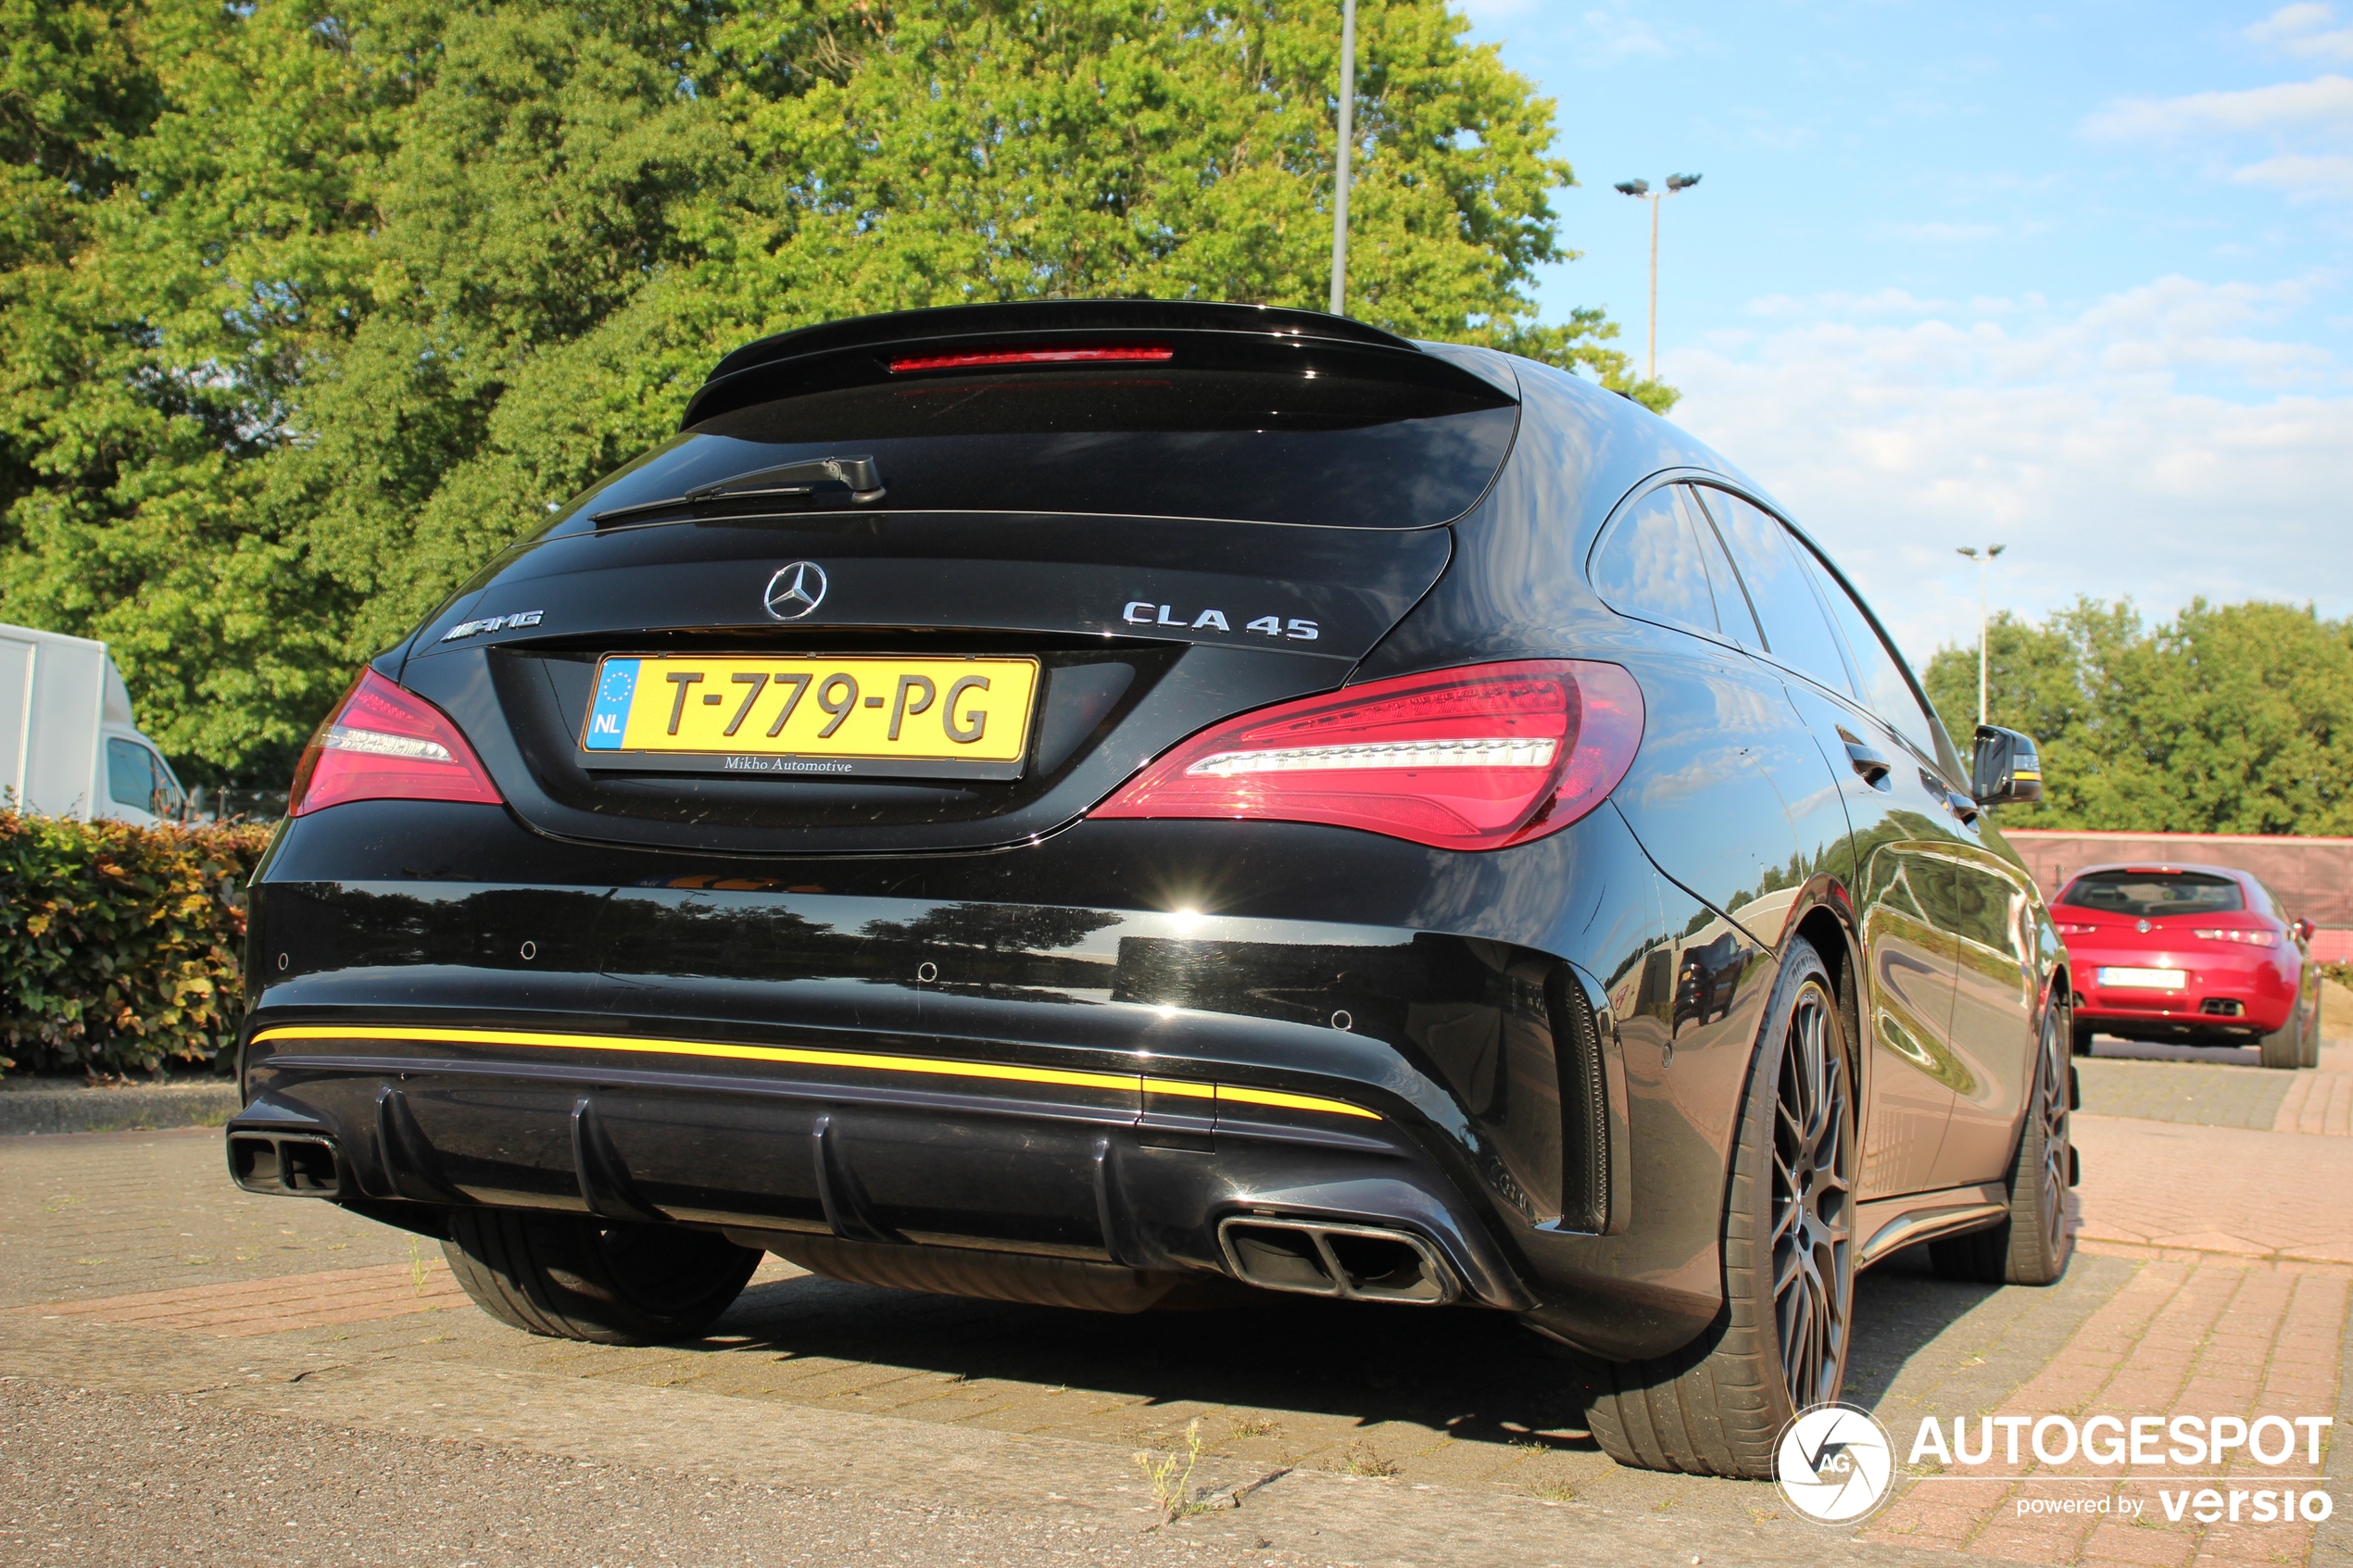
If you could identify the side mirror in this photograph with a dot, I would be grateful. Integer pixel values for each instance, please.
(2304, 928)
(2005, 768)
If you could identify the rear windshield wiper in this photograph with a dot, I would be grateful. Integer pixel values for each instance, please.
(857, 474)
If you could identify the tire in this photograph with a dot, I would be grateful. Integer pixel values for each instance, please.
(571, 1277)
(2312, 1054)
(2079, 1039)
(2032, 1246)
(1718, 1407)
(2283, 1047)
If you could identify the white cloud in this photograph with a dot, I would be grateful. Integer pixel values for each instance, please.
(2299, 29)
(1621, 37)
(2070, 438)
(2325, 101)
(2301, 175)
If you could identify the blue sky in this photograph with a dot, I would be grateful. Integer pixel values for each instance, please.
(2071, 278)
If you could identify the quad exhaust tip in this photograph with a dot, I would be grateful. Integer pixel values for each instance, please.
(284, 1165)
(1327, 1258)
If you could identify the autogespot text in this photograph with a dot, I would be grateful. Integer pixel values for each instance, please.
(2155, 1441)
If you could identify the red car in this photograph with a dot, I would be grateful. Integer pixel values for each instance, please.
(2188, 955)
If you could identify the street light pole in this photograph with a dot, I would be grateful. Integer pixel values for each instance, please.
(1642, 188)
(1347, 146)
(1984, 562)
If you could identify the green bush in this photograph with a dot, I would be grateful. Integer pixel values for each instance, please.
(119, 946)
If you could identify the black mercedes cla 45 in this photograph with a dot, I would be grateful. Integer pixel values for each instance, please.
(1113, 803)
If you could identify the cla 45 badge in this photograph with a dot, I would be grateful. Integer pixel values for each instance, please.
(1143, 612)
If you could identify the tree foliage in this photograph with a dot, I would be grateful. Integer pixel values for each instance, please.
(307, 310)
(2225, 719)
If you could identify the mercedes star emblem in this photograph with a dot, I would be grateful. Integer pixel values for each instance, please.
(795, 590)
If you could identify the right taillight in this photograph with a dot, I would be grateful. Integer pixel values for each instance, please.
(2236, 934)
(1477, 757)
(384, 742)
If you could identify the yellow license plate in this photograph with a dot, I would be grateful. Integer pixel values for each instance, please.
(872, 717)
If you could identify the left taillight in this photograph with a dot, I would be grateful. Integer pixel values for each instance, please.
(385, 743)
(1477, 757)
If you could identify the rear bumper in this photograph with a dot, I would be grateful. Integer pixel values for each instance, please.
(1125, 1169)
(1040, 1049)
(2225, 997)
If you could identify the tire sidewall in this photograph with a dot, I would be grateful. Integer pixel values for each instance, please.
(2037, 1258)
(1750, 1205)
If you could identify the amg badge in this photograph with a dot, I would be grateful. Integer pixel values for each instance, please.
(492, 623)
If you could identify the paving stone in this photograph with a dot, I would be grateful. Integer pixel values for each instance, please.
(1037, 1413)
(2187, 1091)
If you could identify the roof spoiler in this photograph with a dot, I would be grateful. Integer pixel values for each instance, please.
(1200, 335)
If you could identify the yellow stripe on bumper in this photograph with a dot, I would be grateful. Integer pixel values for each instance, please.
(801, 1056)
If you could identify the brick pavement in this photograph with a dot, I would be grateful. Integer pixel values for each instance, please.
(79, 1219)
(2214, 1267)
(245, 1308)
(2320, 1102)
(2216, 1189)
(2210, 1095)
(2211, 1337)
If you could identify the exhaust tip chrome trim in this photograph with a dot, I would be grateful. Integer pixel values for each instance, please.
(285, 1164)
(1353, 1262)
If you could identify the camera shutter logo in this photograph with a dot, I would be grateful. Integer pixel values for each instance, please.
(795, 590)
(1834, 1464)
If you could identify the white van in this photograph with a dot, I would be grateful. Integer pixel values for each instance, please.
(69, 745)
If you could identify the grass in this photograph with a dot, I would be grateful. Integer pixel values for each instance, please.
(1172, 1485)
(1363, 1461)
(1257, 1426)
(1557, 1491)
(416, 1267)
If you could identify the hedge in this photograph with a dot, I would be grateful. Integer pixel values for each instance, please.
(120, 946)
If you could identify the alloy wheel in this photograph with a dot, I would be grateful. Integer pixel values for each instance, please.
(1813, 1208)
(2051, 1105)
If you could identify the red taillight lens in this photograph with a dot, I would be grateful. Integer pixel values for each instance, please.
(2075, 928)
(1001, 359)
(2231, 934)
(385, 743)
(1472, 759)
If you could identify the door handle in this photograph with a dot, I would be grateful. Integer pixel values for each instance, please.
(1960, 805)
(1872, 765)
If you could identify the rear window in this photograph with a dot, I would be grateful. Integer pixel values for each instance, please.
(1241, 445)
(2149, 893)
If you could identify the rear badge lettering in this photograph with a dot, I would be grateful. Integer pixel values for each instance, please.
(492, 623)
(1143, 612)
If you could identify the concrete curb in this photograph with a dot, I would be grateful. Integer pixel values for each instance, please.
(144, 1108)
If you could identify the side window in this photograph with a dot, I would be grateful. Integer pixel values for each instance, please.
(1648, 566)
(130, 777)
(1795, 630)
(1885, 692)
(1731, 599)
(169, 797)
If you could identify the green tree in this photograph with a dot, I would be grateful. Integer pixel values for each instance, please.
(309, 309)
(2225, 719)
